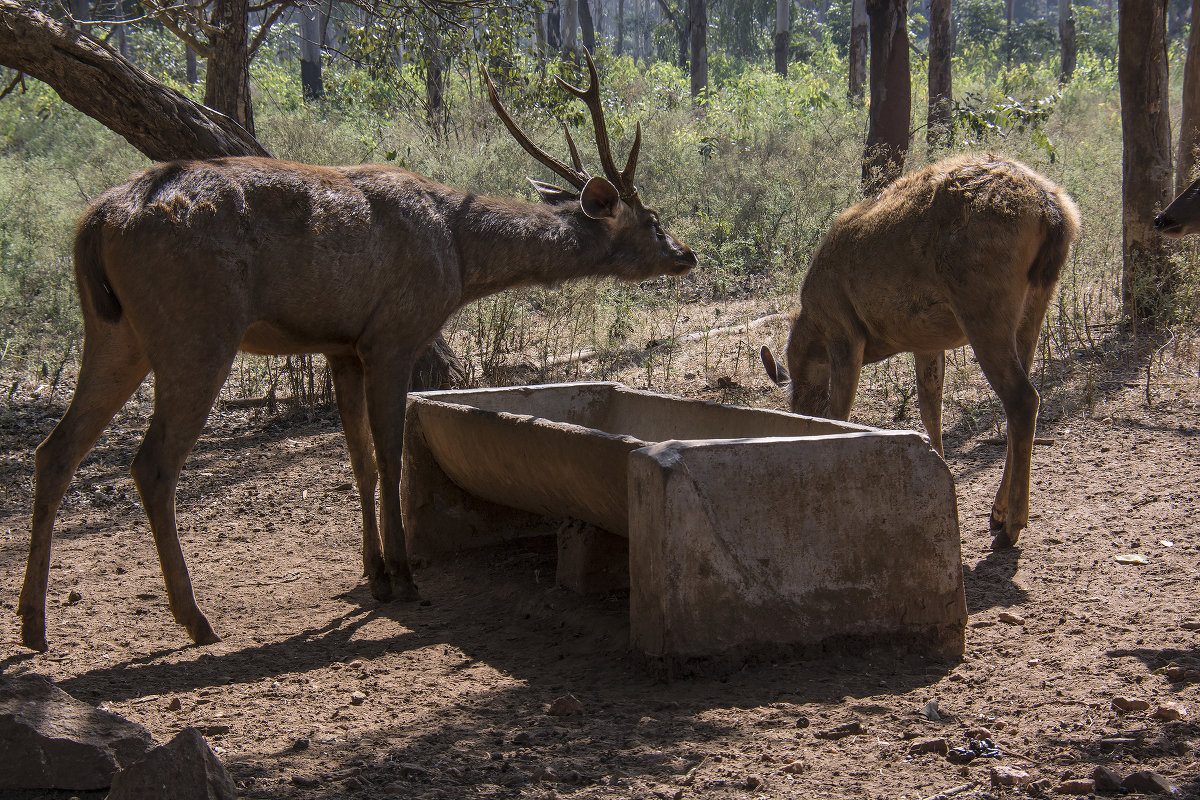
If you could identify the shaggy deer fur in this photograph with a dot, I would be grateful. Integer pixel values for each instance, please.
(967, 250)
(191, 261)
(1182, 215)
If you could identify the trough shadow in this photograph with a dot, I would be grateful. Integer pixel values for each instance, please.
(989, 583)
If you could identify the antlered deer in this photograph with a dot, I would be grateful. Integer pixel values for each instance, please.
(1182, 215)
(967, 250)
(191, 261)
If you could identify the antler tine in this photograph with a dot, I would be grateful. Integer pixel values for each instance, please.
(631, 162)
(591, 97)
(576, 178)
(574, 153)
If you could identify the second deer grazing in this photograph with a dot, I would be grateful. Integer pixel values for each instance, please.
(191, 261)
(967, 250)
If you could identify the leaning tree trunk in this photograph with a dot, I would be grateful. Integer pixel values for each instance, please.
(1066, 39)
(227, 81)
(939, 130)
(587, 25)
(1148, 279)
(1189, 123)
(890, 111)
(312, 85)
(154, 118)
(859, 27)
(783, 34)
(698, 16)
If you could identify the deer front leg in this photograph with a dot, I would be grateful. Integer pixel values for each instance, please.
(931, 375)
(387, 380)
(349, 389)
(845, 368)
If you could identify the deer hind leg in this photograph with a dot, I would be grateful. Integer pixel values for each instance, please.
(113, 367)
(352, 405)
(387, 380)
(184, 391)
(931, 375)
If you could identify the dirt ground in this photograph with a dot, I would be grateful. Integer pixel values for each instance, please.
(317, 691)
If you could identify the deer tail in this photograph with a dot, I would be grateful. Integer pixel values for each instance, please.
(1062, 218)
(90, 277)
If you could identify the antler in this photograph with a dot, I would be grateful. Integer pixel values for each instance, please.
(576, 177)
(622, 179)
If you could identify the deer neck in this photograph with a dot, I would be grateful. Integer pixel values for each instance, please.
(507, 243)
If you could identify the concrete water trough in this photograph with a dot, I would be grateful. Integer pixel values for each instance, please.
(736, 529)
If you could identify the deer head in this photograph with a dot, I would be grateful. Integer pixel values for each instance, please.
(1180, 217)
(610, 206)
(806, 378)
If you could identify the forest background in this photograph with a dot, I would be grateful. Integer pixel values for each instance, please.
(755, 116)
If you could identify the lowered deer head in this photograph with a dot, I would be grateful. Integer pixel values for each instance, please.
(1182, 215)
(190, 261)
(967, 250)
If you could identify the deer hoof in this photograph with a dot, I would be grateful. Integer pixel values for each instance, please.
(405, 590)
(202, 633)
(33, 636)
(381, 588)
(1003, 540)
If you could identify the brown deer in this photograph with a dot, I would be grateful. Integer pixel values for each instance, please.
(1180, 217)
(967, 250)
(191, 261)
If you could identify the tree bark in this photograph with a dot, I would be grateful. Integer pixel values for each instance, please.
(570, 30)
(1189, 123)
(620, 27)
(698, 12)
(859, 27)
(227, 81)
(1148, 278)
(685, 33)
(783, 35)
(890, 112)
(553, 26)
(939, 130)
(1066, 39)
(311, 84)
(587, 25)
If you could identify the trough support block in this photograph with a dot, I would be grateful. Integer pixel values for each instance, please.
(591, 560)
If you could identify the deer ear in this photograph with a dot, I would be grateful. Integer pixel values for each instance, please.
(552, 194)
(599, 199)
(778, 374)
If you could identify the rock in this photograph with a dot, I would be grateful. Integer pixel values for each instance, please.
(1009, 776)
(300, 744)
(842, 731)
(940, 746)
(1076, 786)
(565, 706)
(305, 782)
(357, 698)
(213, 730)
(1169, 712)
(1179, 674)
(182, 769)
(73, 597)
(1106, 780)
(1148, 782)
(795, 768)
(753, 782)
(1039, 787)
(50, 740)
(1125, 704)
(1011, 619)
(175, 705)
(930, 711)
(802, 721)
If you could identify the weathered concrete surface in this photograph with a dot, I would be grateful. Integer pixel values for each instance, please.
(184, 768)
(50, 740)
(763, 528)
(793, 541)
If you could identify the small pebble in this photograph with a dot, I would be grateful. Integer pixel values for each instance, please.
(565, 706)
(357, 698)
(1076, 786)
(1169, 712)
(1009, 776)
(1124, 704)
(1011, 619)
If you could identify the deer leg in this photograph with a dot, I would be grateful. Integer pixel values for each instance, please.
(931, 374)
(113, 367)
(387, 381)
(845, 368)
(183, 395)
(352, 405)
(1007, 375)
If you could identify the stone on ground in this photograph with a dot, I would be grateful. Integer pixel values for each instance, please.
(183, 769)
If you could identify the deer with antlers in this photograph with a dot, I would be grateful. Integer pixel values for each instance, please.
(190, 261)
(967, 250)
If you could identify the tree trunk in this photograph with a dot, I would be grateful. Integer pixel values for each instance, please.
(435, 86)
(311, 84)
(890, 111)
(939, 130)
(1148, 278)
(227, 81)
(81, 11)
(1189, 124)
(587, 25)
(783, 34)
(1008, 39)
(570, 30)
(154, 118)
(1066, 38)
(859, 27)
(698, 13)
(685, 33)
(553, 26)
(620, 27)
